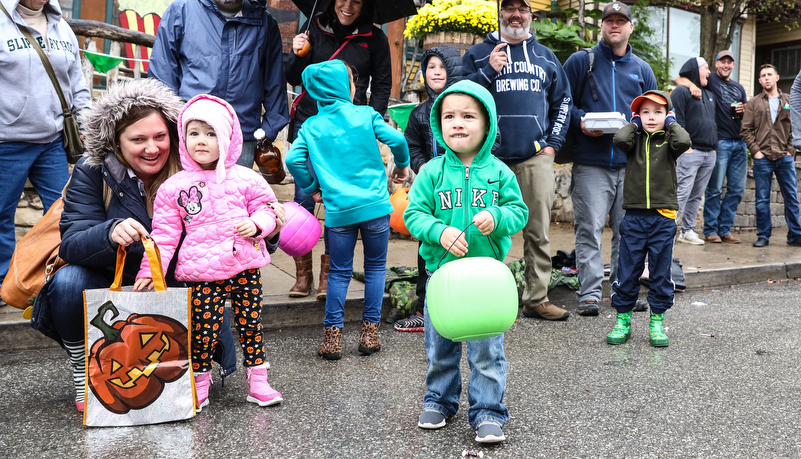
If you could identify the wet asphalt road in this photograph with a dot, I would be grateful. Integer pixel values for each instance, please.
(737, 394)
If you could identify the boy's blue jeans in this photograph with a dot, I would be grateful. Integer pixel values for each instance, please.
(784, 169)
(342, 242)
(486, 384)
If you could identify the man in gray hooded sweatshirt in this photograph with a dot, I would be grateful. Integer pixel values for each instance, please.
(795, 110)
(694, 167)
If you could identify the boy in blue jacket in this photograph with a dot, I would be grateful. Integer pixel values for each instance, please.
(465, 203)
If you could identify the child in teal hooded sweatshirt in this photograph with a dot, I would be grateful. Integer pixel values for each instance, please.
(352, 183)
(466, 189)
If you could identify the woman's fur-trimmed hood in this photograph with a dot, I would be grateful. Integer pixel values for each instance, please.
(98, 124)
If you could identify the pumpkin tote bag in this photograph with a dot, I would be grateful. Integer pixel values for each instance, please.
(138, 368)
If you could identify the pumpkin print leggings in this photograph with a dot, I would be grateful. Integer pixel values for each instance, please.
(208, 307)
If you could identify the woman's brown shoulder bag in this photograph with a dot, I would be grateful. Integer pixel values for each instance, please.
(35, 259)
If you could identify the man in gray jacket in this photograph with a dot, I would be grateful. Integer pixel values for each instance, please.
(230, 49)
(31, 115)
(795, 111)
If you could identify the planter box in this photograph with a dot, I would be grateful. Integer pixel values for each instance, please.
(459, 40)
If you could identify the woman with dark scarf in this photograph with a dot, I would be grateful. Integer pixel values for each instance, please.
(343, 31)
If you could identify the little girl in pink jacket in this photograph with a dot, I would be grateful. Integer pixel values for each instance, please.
(225, 211)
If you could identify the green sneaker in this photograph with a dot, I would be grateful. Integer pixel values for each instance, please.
(622, 331)
(658, 336)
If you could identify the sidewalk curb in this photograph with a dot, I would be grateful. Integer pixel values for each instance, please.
(743, 275)
(281, 312)
(698, 279)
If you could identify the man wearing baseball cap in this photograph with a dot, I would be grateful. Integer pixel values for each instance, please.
(731, 163)
(532, 94)
(599, 167)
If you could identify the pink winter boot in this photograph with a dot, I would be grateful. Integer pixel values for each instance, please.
(202, 383)
(259, 390)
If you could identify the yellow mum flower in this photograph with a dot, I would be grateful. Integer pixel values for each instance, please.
(478, 17)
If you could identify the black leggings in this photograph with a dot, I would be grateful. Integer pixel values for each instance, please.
(208, 307)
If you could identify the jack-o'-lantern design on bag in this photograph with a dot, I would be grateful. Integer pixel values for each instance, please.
(130, 365)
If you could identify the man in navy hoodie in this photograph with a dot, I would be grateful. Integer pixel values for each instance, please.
(598, 166)
(731, 162)
(693, 168)
(533, 99)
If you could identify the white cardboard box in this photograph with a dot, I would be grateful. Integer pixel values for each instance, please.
(608, 122)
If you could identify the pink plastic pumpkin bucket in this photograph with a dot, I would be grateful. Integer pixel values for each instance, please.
(301, 231)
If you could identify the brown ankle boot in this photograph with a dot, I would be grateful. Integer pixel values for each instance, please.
(332, 344)
(368, 340)
(322, 288)
(303, 276)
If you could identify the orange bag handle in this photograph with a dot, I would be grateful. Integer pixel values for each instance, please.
(154, 259)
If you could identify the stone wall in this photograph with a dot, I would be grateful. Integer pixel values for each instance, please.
(745, 219)
(29, 210)
(746, 211)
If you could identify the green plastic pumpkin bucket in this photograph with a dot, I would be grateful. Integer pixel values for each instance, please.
(472, 298)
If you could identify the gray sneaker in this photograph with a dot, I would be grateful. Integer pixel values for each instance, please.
(489, 432)
(431, 419)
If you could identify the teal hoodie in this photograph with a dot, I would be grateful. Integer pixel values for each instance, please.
(446, 193)
(341, 143)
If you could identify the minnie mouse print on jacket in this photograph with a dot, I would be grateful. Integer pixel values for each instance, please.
(207, 204)
(190, 202)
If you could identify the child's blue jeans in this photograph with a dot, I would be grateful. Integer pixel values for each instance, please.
(486, 384)
(342, 242)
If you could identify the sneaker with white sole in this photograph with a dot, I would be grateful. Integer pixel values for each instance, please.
(415, 323)
(690, 237)
(259, 390)
(431, 419)
(489, 432)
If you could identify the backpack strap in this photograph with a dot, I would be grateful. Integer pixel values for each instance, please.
(296, 102)
(590, 76)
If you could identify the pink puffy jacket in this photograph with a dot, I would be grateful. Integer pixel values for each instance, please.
(208, 203)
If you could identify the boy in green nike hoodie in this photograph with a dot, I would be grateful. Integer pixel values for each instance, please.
(652, 142)
(465, 203)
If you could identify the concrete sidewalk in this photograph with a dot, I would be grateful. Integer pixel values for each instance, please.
(706, 265)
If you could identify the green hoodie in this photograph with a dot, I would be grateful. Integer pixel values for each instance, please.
(446, 193)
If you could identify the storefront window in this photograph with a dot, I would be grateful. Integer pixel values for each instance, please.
(69, 8)
(684, 31)
(681, 30)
